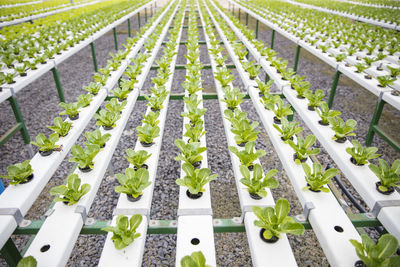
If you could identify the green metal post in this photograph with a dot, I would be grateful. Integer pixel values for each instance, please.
(19, 119)
(151, 10)
(247, 19)
(10, 253)
(256, 29)
(267, 77)
(375, 119)
(94, 57)
(129, 27)
(239, 13)
(233, 10)
(296, 59)
(138, 18)
(333, 88)
(145, 14)
(272, 39)
(115, 38)
(58, 84)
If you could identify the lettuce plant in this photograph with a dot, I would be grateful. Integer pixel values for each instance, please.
(46, 144)
(288, 129)
(194, 133)
(256, 185)
(244, 131)
(361, 67)
(29, 261)
(115, 106)
(220, 60)
(190, 153)
(159, 91)
(275, 221)
(70, 109)
(381, 254)
(71, 192)
(385, 80)
(107, 119)
(120, 93)
(394, 72)
(127, 85)
(192, 100)
(147, 133)
(96, 138)
(195, 179)
(389, 176)
(269, 101)
(360, 155)
(316, 179)
(342, 129)
(252, 69)
(301, 88)
(19, 173)
(93, 88)
(84, 157)
(194, 114)
(223, 76)
(192, 86)
(155, 103)
(84, 100)
(196, 259)
(233, 97)
(264, 87)
(325, 113)
(137, 158)
(281, 110)
(314, 99)
(247, 155)
(60, 127)
(124, 233)
(100, 79)
(151, 118)
(301, 147)
(133, 182)
(236, 115)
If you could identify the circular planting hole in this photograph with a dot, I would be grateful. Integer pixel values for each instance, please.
(45, 248)
(338, 229)
(195, 241)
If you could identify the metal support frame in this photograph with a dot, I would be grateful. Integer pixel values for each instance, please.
(58, 84)
(145, 14)
(257, 29)
(10, 253)
(272, 39)
(297, 57)
(94, 57)
(138, 18)
(247, 19)
(239, 13)
(333, 88)
(129, 27)
(115, 38)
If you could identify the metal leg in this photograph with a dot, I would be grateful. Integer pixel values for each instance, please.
(375, 119)
(94, 57)
(145, 14)
(247, 19)
(296, 59)
(10, 253)
(239, 13)
(267, 77)
(256, 29)
(272, 39)
(233, 11)
(138, 18)
(58, 84)
(151, 11)
(333, 88)
(129, 27)
(115, 38)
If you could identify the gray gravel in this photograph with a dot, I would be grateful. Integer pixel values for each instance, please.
(39, 105)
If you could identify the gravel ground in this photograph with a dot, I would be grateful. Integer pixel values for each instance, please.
(231, 248)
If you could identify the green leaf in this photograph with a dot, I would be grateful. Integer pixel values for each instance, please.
(282, 209)
(29, 261)
(386, 246)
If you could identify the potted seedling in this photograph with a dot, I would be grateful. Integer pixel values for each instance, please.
(247, 156)
(302, 148)
(220, 60)
(301, 88)
(96, 138)
(195, 180)
(256, 185)
(9, 77)
(191, 153)
(194, 114)
(120, 93)
(274, 221)
(84, 100)
(29, 261)
(233, 97)
(381, 254)
(389, 176)
(316, 179)
(252, 69)
(133, 183)
(100, 79)
(107, 119)
(264, 87)
(360, 155)
(151, 118)
(315, 100)
(244, 131)
(70, 109)
(223, 76)
(325, 113)
(155, 103)
(288, 129)
(147, 133)
(46, 145)
(194, 133)
(84, 157)
(342, 129)
(19, 173)
(394, 72)
(196, 259)
(72, 192)
(192, 100)
(93, 88)
(114, 106)
(124, 233)
(137, 158)
(281, 110)
(385, 80)
(236, 115)
(21, 70)
(269, 101)
(159, 91)
(360, 67)
(60, 127)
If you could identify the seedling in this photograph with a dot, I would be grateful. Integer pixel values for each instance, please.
(301, 88)
(127, 85)
(274, 221)
(151, 118)
(233, 97)
(115, 106)
(137, 158)
(361, 67)
(315, 100)
(155, 103)
(192, 86)
(244, 131)
(256, 185)
(316, 179)
(281, 110)
(195, 179)
(70, 109)
(325, 113)
(394, 72)
(389, 176)
(101, 79)
(194, 133)
(252, 69)
(385, 80)
(124, 233)
(247, 156)
(84, 100)
(60, 127)
(194, 114)
(29, 261)
(93, 88)
(191, 153)
(342, 129)
(236, 115)
(19, 173)
(147, 133)
(120, 93)
(360, 155)
(269, 101)
(288, 129)
(71, 192)
(192, 100)
(107, 119)
(84, 157)
(223, 76)
(196, 259)
(302, 148)
(46, 144)
(264, 87)
(133, 182)
(96, 138)
(159, 91)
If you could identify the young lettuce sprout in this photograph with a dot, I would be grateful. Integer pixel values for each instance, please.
(70, 109)
(120, 93)
(233, 97)
(107, 119)
(264, 87)
(385, 80)
(191, 153)
(133, 183)
(301, 88)
(342, 129)
(288, 129)
(127, 85)
(84, 100)
(114, 106)
(269, 101)
(256, 185)
(96, 138)
(316, 179)
(223, 76)
(194, 133)
(302, 148)
(196, 259)
(275, 221)
(19, 173)
(236, 115)
(192, 100)
(151, 118)
(155, 103)
(195, 179)
(247, 156)
(147, 133)
(315, 100)
(389, 176)
(244, 131)
(381, 254)
(46, 145)
(84, 157)
(60, 127)
(93, 88)
(137, 158)
(29, 261)
(71, 192)
(325, 113)
(124, 233)
(194, 114)
(360, 155)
